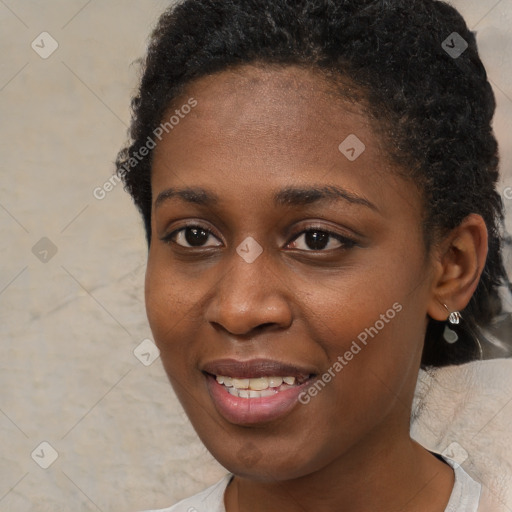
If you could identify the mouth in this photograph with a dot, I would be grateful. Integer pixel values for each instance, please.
(256, 391)
(259, 387)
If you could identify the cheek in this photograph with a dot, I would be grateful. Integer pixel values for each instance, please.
(175, 302)
(169, 306)
(371, 327)
(170, 294)
(363, 302)
(368, 379)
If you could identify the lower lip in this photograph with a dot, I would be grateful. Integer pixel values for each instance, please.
(246, 411)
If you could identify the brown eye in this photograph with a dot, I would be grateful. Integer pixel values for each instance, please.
(191, 236)
(318, 240)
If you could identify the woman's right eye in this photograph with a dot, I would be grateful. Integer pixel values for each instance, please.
(190, 237)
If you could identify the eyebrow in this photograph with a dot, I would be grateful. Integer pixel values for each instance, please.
(289, 196)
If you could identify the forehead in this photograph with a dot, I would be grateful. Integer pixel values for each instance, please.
(283, 109)
(274, 97)
(273, 82)
(272, 126)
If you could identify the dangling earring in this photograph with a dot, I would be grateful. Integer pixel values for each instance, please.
(450, 335)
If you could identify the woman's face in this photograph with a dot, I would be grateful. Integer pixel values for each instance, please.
(302, 274)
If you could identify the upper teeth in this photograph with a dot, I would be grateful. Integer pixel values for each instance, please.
(257, 384)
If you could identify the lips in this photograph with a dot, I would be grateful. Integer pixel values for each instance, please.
(255, 391)
(255, 368)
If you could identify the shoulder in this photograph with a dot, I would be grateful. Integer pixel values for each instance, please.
(469, 495)
(209, 500)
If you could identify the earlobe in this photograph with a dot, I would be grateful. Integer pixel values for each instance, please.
(460, 266)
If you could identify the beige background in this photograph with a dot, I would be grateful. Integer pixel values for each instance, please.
(69, 325)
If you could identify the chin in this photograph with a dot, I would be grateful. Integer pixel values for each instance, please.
(251, 463)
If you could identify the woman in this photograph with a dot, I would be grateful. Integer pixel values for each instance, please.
(317, 183)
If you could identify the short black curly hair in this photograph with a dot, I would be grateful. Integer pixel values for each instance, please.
(434, 107)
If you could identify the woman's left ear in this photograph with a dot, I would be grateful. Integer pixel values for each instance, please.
(459, 263)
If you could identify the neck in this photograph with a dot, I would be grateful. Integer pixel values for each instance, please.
(404, 476)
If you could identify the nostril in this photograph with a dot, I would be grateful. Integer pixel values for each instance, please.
(264, 326)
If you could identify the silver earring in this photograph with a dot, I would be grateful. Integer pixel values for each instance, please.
(449, 335)
(454, 318)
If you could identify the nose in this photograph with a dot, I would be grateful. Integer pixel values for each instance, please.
(250, 297)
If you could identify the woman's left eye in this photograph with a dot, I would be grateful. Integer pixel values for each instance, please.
(318, 240)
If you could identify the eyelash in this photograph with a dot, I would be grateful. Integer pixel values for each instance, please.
(346, 242)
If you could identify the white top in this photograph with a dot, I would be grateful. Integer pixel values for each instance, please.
(465, 495)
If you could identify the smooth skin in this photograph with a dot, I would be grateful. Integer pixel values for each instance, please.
(256, 131)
